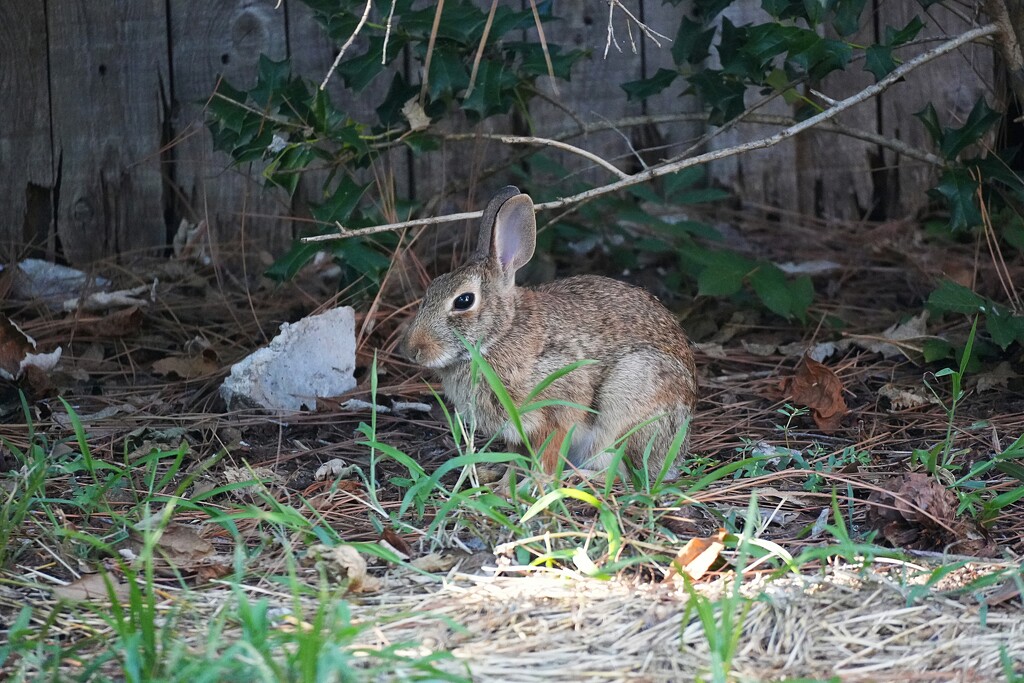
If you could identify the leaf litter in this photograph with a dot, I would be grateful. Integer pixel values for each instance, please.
(823, 621)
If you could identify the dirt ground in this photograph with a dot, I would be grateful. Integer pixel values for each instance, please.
(146, 377)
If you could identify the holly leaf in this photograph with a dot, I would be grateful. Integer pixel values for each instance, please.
(879, 61)
(691, 44)
(981, 118)
(960, 192)
(644, 88)
(930, 119)
(723, 94)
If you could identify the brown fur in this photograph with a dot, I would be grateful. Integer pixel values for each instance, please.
(645, 368)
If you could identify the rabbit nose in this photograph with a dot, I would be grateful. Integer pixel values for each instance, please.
(412, 344)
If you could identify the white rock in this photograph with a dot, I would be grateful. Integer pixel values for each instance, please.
(312, 358)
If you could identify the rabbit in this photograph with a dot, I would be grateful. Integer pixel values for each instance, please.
(644, 374)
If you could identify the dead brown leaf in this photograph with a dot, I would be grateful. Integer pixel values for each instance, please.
(815, 385)
(435, 562)
(698, 556)
(392, 538)
(14, 346)
(124, 323)
(91, 588)
(179, 545)
(185, 367)
(344, 563)
(917, 512)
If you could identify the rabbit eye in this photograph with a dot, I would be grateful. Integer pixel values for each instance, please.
(463, 302)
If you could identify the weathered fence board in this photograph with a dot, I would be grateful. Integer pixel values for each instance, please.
(312, 53)
(107, 104)
(26, 158)
(225, 37)
(104, 113)
(952, 84)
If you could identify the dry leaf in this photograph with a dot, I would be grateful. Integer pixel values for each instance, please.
(435, 562)
(896, 339)
(818, 388)
(14, 346)
(180, 545)
(392, 538)
(91, 588)
(344, 563)
(919, 513)
(697, 556)
(996, 377)
(901, 399)
(18, 352)
(185, 367)
(123, 323)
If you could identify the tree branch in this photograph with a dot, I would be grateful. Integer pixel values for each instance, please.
(675, 165)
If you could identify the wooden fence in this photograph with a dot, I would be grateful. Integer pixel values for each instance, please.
(103, 148)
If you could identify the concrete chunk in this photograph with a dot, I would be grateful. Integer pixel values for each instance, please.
(309, 359)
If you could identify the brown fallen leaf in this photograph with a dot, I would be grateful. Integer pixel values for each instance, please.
(344, 563)
(392, 538)
(123, 323)
(698, 556)
(185, 367)
(91, 588)
(14, 346)
(179, 545)
(917, 512)
(815, 385)
(435, 562)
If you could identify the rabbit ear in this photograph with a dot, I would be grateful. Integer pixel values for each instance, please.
(514, 235)
(483, 243)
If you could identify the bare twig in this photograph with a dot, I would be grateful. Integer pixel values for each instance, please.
(348, 43)
(430, 50)
(544, 46)
(675, 165)
(641, 26)
(387, 33)
(543, 142)
(480, 50)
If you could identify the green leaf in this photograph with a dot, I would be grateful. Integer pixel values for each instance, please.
(723, 94)
(773, 289)
(904, 35)
(937, 349)
(272, 77)
(389, 112)
(644, 88)
(723, 275)
(533, 62)
(955, 298)
(1011, 227)
(818, 56)
(448, 73)
(285, 267)
(709, 9)
(960, 192)
(802, 296)
(978, 122)
(339, 206)
(1004, 328)
(492, 92)
(360, 71)
(879, 61)
(930, 119)
(681, 180)
(846, 20)
(691, 44)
